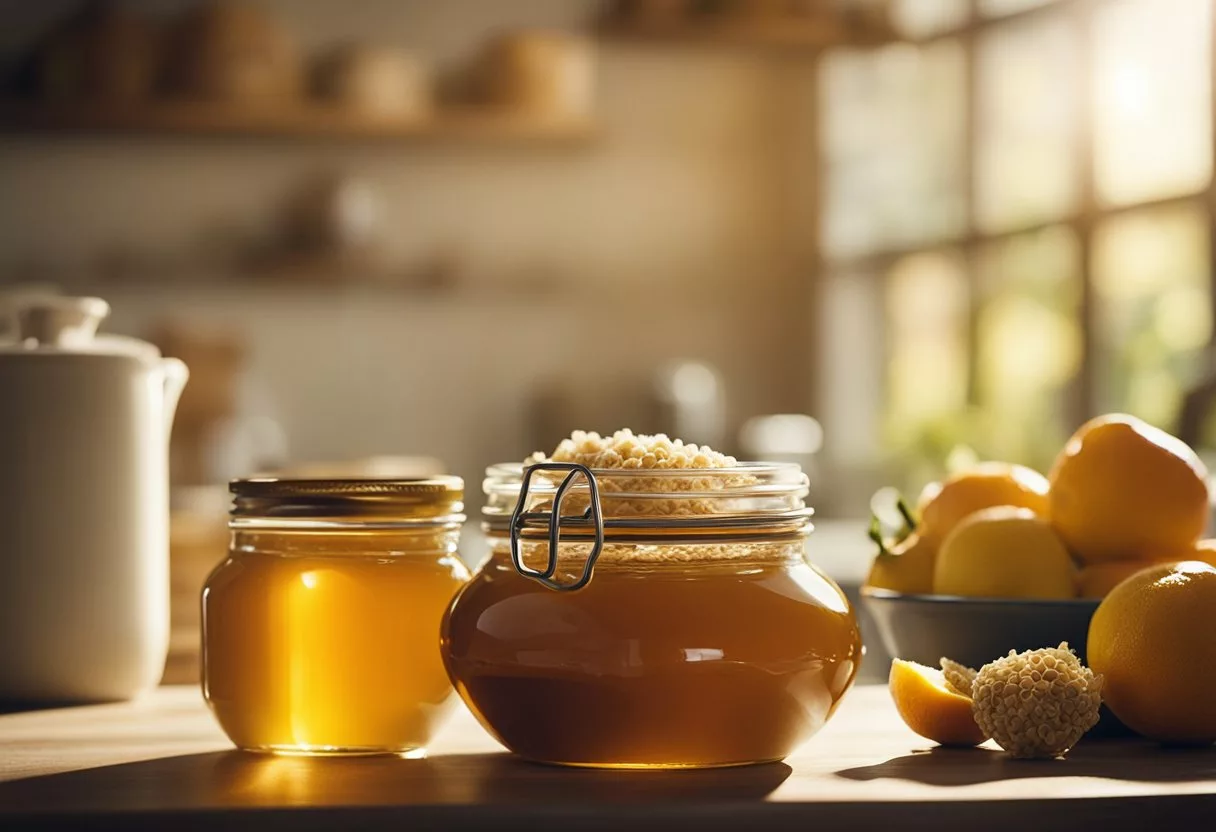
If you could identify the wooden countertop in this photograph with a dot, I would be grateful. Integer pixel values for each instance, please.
(162, 763)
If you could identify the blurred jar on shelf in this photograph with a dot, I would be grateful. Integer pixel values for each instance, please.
(785, 437)
(375, 81)
(227, 50)
(321, 628)
(654, 13)
(539, 73)
(104, 53)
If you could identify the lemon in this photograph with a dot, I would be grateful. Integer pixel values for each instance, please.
(1004, 552)
(906, 567)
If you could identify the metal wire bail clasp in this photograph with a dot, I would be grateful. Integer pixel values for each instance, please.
(593, 517)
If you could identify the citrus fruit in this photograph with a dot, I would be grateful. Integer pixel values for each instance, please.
(905, 567)
(1153, 640)
(943, 506)
(1004, 552)
(930, 708)
(1096, 580)
(1124, 490)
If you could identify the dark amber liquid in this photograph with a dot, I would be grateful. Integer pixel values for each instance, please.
(661, 666)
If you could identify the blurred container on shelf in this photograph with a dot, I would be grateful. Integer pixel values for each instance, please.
(546, 74)
(226, 50)
(227, 427)
(375, 81)
(761, 9)
(866, 16)
(690, 398)
(216, 360)
(332, 213)
(329, 230)
(655, 13)
(105, 52)
(785, 437)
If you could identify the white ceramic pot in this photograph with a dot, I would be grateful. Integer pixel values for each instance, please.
(84, 506)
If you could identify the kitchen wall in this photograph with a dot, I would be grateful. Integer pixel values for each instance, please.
(680, 231)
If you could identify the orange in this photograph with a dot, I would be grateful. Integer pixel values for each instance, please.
(943, 506)
(1152, 638)
(1124, 490)
(906, 567)
(930, 708)
(1004, 552)
(1097, 580)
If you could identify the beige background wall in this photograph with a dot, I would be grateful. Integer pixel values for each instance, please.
(680, 231)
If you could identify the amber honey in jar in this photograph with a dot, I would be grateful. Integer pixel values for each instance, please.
(321, 628)
(675, 624)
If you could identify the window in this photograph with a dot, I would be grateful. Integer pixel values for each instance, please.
(1153, 299)
(926, 303)
(1029, 184)
(896, 141)
(1027, 107)
(1152, 106)
(1028, 340)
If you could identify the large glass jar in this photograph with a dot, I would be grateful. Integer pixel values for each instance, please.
(321, 628)
(678, 626)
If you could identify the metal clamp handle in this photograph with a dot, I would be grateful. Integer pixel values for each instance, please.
(593, 517)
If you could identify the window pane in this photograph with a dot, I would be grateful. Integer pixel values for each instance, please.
(921, 18)
(1152, 102)
(893, 135)
(1154, 309)
(1028, 336)
(1028, 102)
(999, 8)
(927, 305)
(851, 369)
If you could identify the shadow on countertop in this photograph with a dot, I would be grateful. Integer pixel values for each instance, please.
(234, 780)
(1131, 760)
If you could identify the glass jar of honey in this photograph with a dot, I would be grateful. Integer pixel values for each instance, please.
(321, 628)
(650, 619)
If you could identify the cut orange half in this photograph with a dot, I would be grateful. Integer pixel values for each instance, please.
(930, 708)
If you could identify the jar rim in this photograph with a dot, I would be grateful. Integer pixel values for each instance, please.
(744, 479)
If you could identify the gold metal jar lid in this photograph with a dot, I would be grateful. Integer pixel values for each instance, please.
(421, 501)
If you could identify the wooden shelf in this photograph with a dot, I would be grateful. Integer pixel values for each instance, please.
(303, 121)
(787, 35)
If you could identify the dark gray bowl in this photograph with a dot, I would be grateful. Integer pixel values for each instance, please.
(974, 631)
